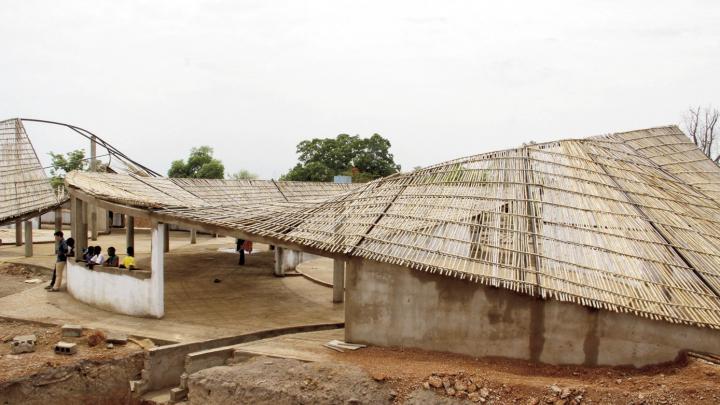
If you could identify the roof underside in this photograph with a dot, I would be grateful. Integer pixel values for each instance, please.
(24, 188)
(627, 222)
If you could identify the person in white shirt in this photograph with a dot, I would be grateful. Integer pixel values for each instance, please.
(97, 257)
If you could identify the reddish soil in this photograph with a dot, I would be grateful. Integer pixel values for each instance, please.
(690, 381)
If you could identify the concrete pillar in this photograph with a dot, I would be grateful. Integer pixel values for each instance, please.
(81, 228)
(129, 231)
(93, 221)
(18, 233)
(166, 241)
(279, 271)
(157, 269)
(28, 238)
(58, 219)
(338, 280)
(193, 236)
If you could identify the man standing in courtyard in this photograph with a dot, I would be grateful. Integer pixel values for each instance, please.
(61, 250)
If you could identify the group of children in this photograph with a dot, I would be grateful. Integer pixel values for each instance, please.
(93, 256)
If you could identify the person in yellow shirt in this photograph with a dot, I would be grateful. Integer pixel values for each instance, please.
(129, 261)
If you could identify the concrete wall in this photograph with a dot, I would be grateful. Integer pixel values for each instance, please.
(116, 290)
(291, 258)
(390, 305)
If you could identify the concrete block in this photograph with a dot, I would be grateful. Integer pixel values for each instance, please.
(178, 394)
(201, 360)
(116, 338)
(65, 348)
(23, 344)
(72, 330)
(183, 380)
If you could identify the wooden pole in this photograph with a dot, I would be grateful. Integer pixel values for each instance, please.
(338, 280)
(193, 236)
(18, 233)
(28, 238)
(166, 238)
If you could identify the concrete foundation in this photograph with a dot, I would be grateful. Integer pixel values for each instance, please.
(390, 305)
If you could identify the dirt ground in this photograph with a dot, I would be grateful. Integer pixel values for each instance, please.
(502, 381)
(13, 276)
(93, 375)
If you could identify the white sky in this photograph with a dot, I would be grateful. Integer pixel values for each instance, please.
(440, 79)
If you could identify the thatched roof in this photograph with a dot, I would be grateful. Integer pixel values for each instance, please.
(627, 222)
(25, 190)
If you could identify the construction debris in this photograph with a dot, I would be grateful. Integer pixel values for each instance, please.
(72, 330)
(341, 346)
(23, 344)
(117, 338)
(65, 348)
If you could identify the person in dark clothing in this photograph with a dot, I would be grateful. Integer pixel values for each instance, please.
(240, 248)
(70, 242)
(61, 251)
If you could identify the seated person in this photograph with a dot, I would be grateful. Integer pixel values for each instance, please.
(98, 257)
(112, 260)
(129, 260)
(70, 242)
(88, 253)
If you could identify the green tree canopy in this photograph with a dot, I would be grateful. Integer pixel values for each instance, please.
(364, 159)
(63, 164)
(243, 174)
(200, 165)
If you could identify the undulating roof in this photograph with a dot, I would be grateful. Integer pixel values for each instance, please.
(25, 189)
(627, 222)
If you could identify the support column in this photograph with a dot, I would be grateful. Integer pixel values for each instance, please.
(28, 238)
(338, 280)
(193, 236)
(157, 270)
(93, 221)
(81, 240)
(279, 271)
(166, 240)
(18, 233)
(129, 231)
(58, 219)
(93, 209)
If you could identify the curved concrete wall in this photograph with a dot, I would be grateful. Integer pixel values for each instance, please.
(111, 289)
(390, 305)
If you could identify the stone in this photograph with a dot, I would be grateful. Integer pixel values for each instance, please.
(446, 383)
(65, 348)
(378, 377)
(178, 394)
(560, 402)
(393, 394)
(533, 401)
(116, 338)
(472, 387)
(109, 346)
(461, 394)
(23, 344)
(426, 385)
(71, 330)
(474, 396)
(618, 381)
(450, 391)
(565, 393)
(183, 380)
(555, 389)
(484, 392)
(353, 401)
(435, 381)
(459, 386)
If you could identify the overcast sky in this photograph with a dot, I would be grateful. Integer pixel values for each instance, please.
(440, 79)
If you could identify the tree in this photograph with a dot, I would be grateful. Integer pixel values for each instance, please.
(63, 164)
(364, 159)
(243, 174)
(700, 124)
(200, 165)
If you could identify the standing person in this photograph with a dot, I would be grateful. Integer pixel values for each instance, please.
(61, 250)
(70, 242)
(240, 248)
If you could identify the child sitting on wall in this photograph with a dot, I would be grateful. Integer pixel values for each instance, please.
(129, 260)
(98, 257)
(112, 260)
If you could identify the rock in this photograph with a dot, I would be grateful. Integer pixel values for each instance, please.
(472, 387)
(71, 330)
(474, 396)
(533, 401)
(426, 385)
(450, 391)
(435, 381)
(178, 394)
(446, 383)
(484, 392)
(379, 376)
(459, 386)
(709, 373)
(560, 402)
(555, 389)
(110, 346)
(618, 381)
(461, 394)
(565, 393)
(353, 401)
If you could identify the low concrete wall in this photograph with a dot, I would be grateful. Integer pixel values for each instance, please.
(118, 290)
(390, 305)
(291, 258)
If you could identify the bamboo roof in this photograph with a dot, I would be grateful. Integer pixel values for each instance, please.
(25, 189)
(627, 222)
